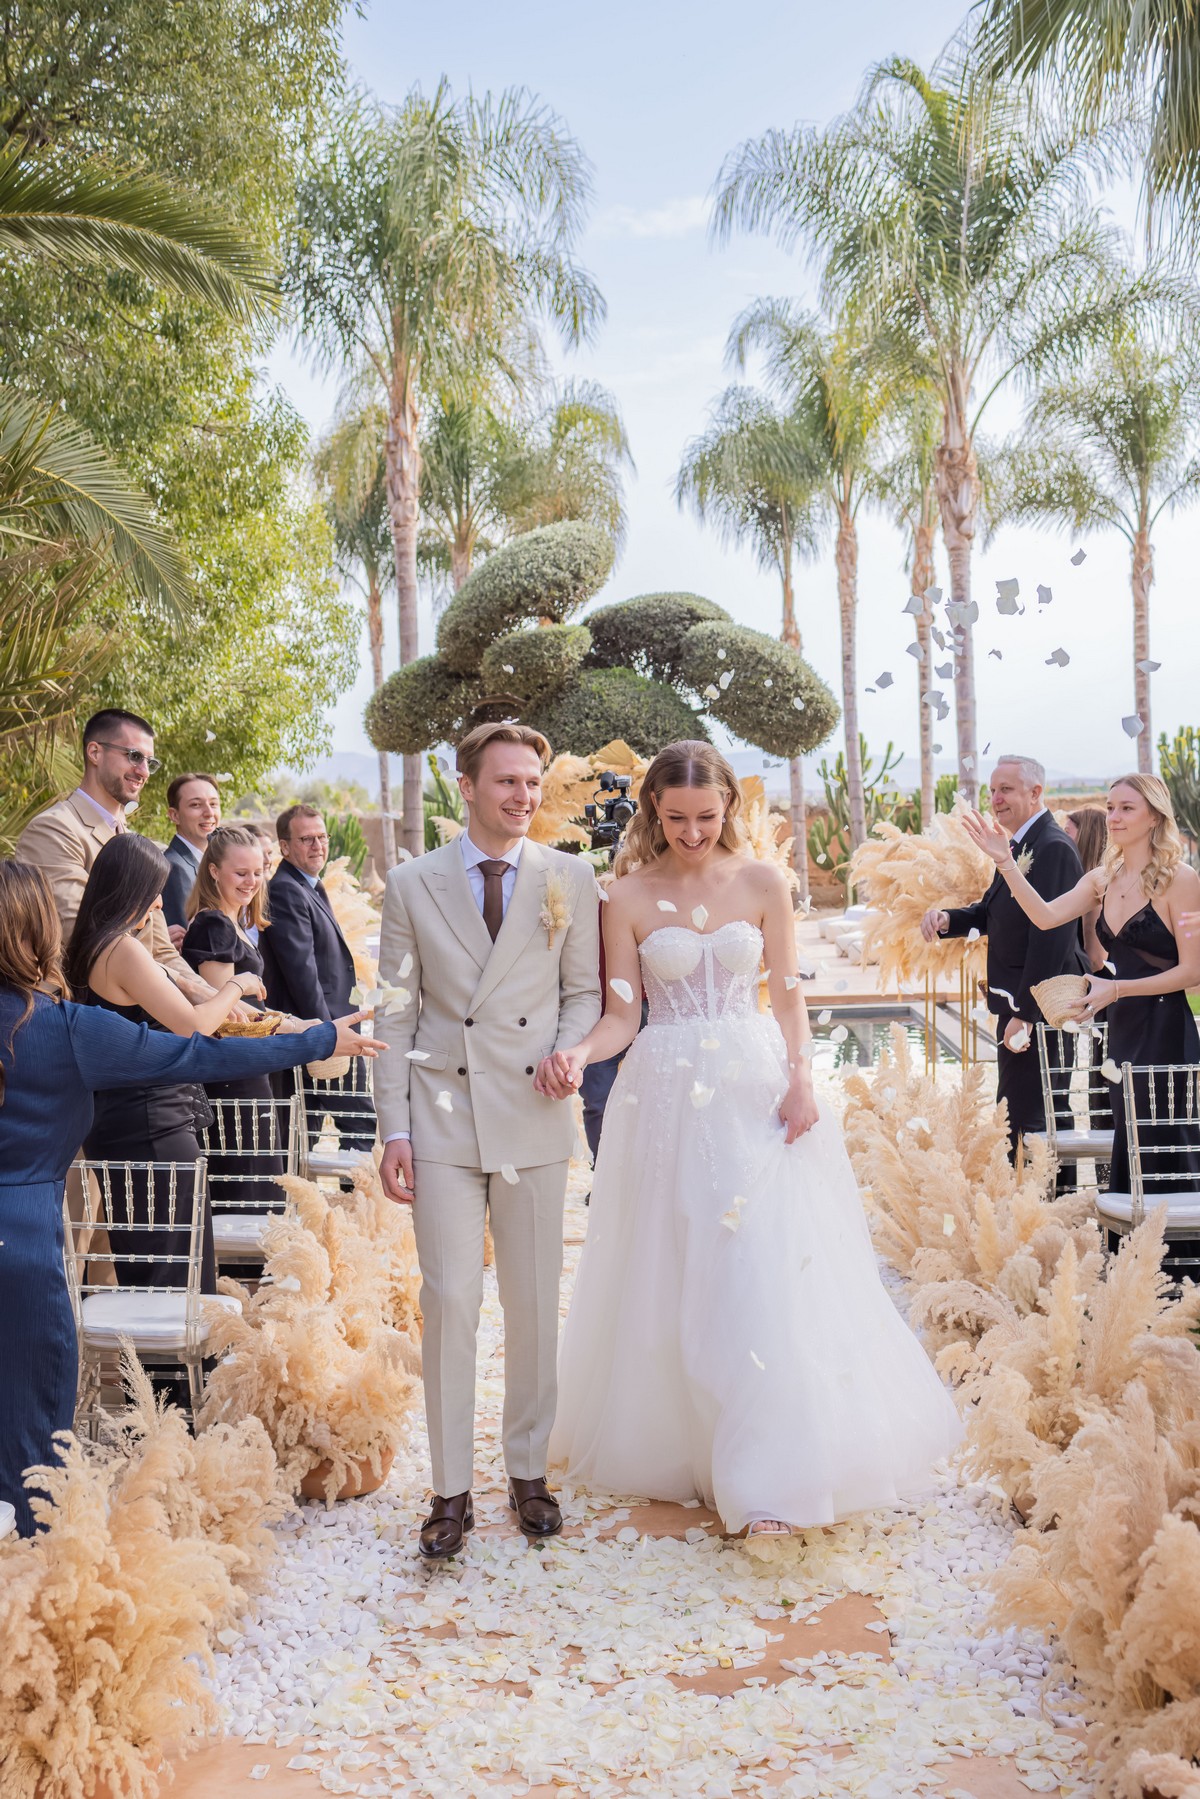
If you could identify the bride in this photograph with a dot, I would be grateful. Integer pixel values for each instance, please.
(729, 1339)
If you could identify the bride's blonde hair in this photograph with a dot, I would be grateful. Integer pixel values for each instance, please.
(687, 764)
(1166, 845)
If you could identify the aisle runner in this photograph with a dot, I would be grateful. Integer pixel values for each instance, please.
(616, 1662)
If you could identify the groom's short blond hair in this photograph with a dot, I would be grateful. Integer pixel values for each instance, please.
(470, 751)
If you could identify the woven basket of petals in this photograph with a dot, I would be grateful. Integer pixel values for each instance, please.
(1058, 997)
(263, 1024)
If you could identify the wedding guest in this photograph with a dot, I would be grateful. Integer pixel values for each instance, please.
(194, 808)
(228, 899)
(53, 1057)
(1146, 894)
(1088, 831)
(307, 964)
(270, 846)
(1018, 955)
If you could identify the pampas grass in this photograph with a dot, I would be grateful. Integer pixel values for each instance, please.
(570, 782)
(903, 875)
(357, 915)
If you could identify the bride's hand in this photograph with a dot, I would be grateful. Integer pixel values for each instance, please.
(988, 836)
(558, 1076)
(799, 1112)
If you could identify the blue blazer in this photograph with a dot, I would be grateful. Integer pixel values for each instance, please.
(307, 965)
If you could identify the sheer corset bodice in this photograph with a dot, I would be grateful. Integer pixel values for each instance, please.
(695, 979)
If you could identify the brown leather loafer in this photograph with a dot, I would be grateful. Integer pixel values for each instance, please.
(536, 1507)
(448, 1522)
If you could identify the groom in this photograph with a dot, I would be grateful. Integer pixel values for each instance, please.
(494, 942)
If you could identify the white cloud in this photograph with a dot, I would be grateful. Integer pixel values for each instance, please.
(674, 218)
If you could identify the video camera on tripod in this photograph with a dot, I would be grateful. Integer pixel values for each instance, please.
(610, 812)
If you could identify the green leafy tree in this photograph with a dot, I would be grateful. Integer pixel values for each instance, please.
(752, 475)
(1118, 448)
(960, 232)
(1179, 765)
(352, 476)
(424, 237)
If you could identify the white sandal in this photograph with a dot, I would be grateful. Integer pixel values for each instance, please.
(769, 1527)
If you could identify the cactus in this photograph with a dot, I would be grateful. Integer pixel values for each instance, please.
(1179, 763)
(829, 838)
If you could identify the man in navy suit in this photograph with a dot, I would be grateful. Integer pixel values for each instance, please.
(307, 965)
(194, 808)
(1019, 955)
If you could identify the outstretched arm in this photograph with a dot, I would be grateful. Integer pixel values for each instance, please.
(798, 1109)
(111, 1052)
(1046, 914)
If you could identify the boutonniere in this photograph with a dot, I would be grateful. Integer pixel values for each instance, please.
(556, 907)
(1025, 861)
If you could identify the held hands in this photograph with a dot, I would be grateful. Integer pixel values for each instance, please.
(396, 1171)
(988, 836)
(558, 1076)
(934, 923)
(349, 1043)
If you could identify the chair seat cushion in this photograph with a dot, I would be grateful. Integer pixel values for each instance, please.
(1079, 1146)
(151, 1321)
(8, 1518)
(1183, 1209)
(240, 1233)
(335, 1161)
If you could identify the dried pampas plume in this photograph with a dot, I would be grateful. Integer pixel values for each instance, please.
(357, 913)
(903, 875)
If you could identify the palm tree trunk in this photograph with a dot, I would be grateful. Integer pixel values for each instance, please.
(1142, 580)
(460, 562)
(922, 581)
(847, 578)
(375, 639)
(790, 634)
(403, 490)
(957, 480)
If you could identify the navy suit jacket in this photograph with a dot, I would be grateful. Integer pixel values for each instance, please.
(1018, 954)
(307, 965)
(180, 881)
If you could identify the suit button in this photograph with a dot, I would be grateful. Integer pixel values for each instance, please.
(529, 1070)
(469, 1021)
(462, 1071)
(522, 1021)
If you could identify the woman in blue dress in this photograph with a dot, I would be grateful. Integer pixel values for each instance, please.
(53, 1056)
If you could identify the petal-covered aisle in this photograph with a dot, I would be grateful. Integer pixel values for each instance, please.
(639, 1653)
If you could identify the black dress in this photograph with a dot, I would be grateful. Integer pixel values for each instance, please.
(246, 1182)
(1147, 1029)
(153, 1124)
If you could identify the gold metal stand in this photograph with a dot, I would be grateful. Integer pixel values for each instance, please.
(968, 1026)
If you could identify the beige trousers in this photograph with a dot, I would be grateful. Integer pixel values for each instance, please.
(450, 1208)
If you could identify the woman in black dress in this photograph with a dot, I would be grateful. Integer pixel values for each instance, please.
(228, 898)
(108, 966)
(1146, 893)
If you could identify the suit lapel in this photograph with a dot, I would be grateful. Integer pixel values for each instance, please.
(444, 874)
(90, 819)
(520, 921)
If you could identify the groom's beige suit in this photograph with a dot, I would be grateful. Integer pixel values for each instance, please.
(458, 1080)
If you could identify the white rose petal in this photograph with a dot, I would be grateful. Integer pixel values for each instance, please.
(260, 1771)
(405, 968)
(825, 1016)
(726, 678)
(973, 934)
(210, 737)
(509, 1174)
(666, 906)
(1045, 595)
(885, 679)
(508, 668)
(757, 1360)
(1148, 667)
(356, 996)
(417, 1055)
(710, 1043)
(1109, 1069)
(1078, 557)
(919, 1124)
(790, 981)
(798, 703)
(711, 692)
(623, 990)
(682, 1062)
(949, 1224)
(699, 917)
(838, 1034)
(700, 1094)
(1020, 1038)
(720, 655)
(443, 1102)
(1058, 656)
(1133, 726)
(768, 682)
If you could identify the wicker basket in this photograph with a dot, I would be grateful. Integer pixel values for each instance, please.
(263, 1024)
(1057, 998)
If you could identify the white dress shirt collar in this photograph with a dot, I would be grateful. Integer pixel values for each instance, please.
(1020, 833)
(473, 855)
(115, 819)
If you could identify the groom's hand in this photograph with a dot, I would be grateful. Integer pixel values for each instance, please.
(396, 1170)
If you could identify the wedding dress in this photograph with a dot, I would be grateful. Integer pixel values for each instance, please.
(729, 1338)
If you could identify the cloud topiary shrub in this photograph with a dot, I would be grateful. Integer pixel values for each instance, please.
(758, 682)
(614, 702)
(647, 634)
(548, 573)
(530, 665)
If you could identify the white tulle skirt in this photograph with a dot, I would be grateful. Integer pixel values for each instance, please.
(762, 1369)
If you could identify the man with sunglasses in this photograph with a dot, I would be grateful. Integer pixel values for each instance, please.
(64, 841)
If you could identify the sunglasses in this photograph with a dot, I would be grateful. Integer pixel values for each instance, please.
(139, 758)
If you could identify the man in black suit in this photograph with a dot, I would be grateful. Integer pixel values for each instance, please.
(1018, 955)
(194, 808)
(307, 965)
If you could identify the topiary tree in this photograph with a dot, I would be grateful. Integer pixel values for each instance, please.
(647, 670)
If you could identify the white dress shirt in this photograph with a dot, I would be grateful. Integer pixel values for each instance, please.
(1029, 824)
(473, 856)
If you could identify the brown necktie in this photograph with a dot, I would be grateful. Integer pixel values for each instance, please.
(493, 895)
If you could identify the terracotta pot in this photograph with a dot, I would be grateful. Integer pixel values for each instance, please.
(361, 1479)
(100, 1789)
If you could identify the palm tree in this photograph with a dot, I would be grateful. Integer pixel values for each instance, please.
(423, 238)
(908, 485)
(753, 475)
(1108, 62)
(958, 232)
(490, 471)
(831, 390)
(1119, 450)
(351, 470)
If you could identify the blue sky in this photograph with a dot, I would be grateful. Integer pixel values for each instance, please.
(657, 96)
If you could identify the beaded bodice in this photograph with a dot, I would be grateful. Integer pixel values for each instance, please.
(690, 978)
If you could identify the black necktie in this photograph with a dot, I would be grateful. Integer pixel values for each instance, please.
(493, 895)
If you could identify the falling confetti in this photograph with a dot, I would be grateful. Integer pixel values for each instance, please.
(1148, 667)
(919, 1124)
(916, 606)
(968, 763)
(1078, 557)
(1059, 656)
(1020, 1038)
(666, 906)
(732, 1218)
(732, 1071)
(443, 1102)
(998, 654)
(838, 1034)
(682, 1062)
(508, 668)
(949, 1224)
(508, 1173)
(884, 680)
(260, 1770)
(416, 1055)
(721, 655)
(1109, 1069)
(790, 981)
(757, 1360)
(938, 637)
(825, 1016)
(1132, 726)
(798, 703)
(711, 692)
(726, 678)
(700, 1094)
(356, 996)
(601, 892)
(1111, 967)
(915, 649)
(933, 596)
(973, 935)
(987, 746)
(1006, 595)
(944, 670)
(623, 990)
(210, 737)
(822, 858)
(1044, 596)
(393, 999)
(840, 986)
(710, 1043)
(768, 682)
(699, 917)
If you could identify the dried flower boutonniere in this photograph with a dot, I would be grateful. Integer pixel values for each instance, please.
(1025, 861)
(556, 907)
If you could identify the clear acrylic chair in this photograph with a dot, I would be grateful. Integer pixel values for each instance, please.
(337, 1127)
(1162, 1125)
(249, 1144)
(153, 1217)
(1077, 1097)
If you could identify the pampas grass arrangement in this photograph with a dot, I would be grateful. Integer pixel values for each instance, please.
(357, 914)
(903, 874)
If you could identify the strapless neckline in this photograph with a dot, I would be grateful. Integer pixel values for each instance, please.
(732, 924)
